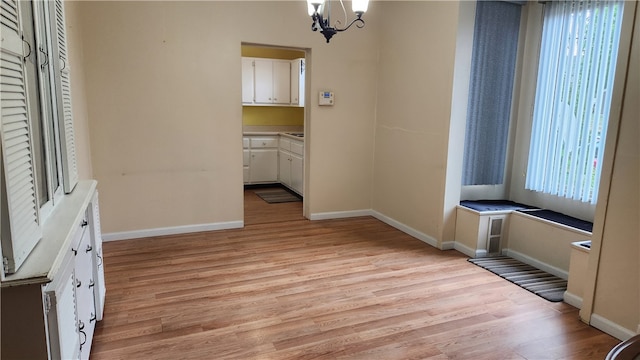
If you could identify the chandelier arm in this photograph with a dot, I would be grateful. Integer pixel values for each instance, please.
(359, 24)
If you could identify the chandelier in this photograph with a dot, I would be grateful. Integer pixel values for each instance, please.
(320, 12)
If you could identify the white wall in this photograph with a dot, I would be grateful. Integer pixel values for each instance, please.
(417, 55)
(163, 93)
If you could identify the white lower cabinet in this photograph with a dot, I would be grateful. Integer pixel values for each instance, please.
(260, 159)
(291, 164)
(51, 305)
(60, 311)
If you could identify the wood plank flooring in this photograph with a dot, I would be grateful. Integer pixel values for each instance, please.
(289, 288)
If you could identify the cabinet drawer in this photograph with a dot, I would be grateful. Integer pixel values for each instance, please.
(257, 143)
(285, 144)
(79, 232)
(297, 147)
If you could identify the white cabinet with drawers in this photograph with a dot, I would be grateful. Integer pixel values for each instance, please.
(50, 306)
(260, 159)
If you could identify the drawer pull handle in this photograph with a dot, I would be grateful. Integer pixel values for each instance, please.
(93, 317)
(84, 223)
(89, 248)
(78, 283)
(75, 252)
(80, 330)
(91, 283)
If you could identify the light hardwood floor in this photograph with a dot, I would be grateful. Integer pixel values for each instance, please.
(288, 288)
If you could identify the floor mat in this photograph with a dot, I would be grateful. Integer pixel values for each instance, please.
(274, 196)
(541, 283)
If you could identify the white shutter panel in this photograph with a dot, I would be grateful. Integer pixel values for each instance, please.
(63, 98)
(19, 204)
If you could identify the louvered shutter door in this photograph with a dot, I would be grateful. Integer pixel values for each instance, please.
(20, 209)
(63, 98)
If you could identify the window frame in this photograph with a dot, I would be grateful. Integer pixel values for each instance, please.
(557, 98)
(23, 212)
(528, 78)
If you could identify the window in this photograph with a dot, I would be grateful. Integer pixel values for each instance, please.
(495, 47)
(38, 150)
(573, 97)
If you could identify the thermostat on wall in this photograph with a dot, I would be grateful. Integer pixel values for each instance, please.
(326, 98)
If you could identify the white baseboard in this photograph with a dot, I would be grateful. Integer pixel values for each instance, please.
(340, 214)
(448, 245)
(538, 264)
(407, 229)
(470, 252)
(174, 230)
(573, 300)
(611, 328)
(387, 220)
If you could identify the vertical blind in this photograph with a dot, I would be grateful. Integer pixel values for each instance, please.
(573, 97)
(493, 62)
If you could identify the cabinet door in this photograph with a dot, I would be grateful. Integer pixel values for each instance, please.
(297, 82)
(246, 161)
(85, 297)
(281, 82)
(62, 325)
(264, 165)
(98, 269)
(263, 81)
(284, 168)
(297, 173)
(247, 80)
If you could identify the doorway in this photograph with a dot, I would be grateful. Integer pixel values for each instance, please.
(274, 135)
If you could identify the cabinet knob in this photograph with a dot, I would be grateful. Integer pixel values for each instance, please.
(84, 223)
(89, 248)
(78, 283)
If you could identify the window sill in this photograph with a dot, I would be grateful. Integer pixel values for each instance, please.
(47, 257)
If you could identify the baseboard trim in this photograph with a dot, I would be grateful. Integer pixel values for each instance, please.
(448, 245)
(407, 229)
(173, 230)
(340, 214)
(470, 252)
(573, 299)
(538, 264)
(611, 328)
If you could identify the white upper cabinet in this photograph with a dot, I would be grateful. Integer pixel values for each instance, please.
(247, 80)
(272, 82)
(297, 82)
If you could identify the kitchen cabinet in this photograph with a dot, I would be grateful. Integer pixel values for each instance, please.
(272, 81)
(50, 306)
(291, 163)
(247, 80)
(261, 158)
(297, 82)
(246, 159)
